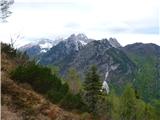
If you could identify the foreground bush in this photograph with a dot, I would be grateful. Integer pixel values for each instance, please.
(43, 81)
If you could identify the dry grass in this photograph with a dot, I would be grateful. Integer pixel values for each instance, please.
(20, 102)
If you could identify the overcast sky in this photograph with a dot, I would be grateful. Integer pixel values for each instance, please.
(127, 20)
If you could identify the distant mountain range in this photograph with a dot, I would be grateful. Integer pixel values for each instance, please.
(39, 47)
(137, 63)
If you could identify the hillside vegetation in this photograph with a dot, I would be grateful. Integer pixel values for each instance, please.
(33, 92)
(20, 100)
(147, 77)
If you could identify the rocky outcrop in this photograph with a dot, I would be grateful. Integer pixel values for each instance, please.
(114, 43)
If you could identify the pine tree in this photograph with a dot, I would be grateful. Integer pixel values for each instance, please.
(92, 87)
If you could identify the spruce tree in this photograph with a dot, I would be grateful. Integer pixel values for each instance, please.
(92, 87)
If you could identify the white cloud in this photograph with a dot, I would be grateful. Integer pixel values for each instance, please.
(124, 19)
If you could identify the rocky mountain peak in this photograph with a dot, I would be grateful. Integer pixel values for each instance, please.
(79, 36)
(38, 47)
(105, 42)
(72, 37)
(114, 43)
(82, 36)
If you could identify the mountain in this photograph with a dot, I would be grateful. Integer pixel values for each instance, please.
(63, 53)
(39, 47)
(113, 64)
(138, 64)
(143, 49)
(147, 59)
(114, 43)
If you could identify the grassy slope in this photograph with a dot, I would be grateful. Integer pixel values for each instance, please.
(20, 102)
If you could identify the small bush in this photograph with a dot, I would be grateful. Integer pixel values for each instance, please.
(85, 116)
(40, 78)
(71, 101)
(8, 49)
(44, 82)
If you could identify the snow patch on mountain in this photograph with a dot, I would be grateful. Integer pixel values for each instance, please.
(83, 43)
(46, 45)
(114, 67)
(76, 42)
(105, 86)
(43, 51)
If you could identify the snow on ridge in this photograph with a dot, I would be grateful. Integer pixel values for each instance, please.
(82, 42)
(45, 45)
(43, 51)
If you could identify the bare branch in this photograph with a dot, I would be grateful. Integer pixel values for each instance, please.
(14, 38)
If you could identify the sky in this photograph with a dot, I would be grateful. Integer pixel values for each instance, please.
(128, 21)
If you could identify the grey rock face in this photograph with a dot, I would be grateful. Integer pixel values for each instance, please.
(114, 43)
